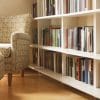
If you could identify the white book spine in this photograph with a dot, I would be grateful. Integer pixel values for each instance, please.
(56, 7)
(82, 39)
(64, 6)
(78, 5)
(43, 7)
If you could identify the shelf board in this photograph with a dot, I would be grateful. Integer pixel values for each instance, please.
(72, 52)
(82, 13)
(86, 88)
(46, 72)
(48, 17)
(33, 46)
(81, 53)
(56, 49)
(75, 14)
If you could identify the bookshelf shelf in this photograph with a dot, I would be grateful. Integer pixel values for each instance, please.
(68, 43)
(34, 46)
(68, 51)
(82, 13)
(81, 54)
(69, 81)
(48, 17)
(50, 48)
(76, 14)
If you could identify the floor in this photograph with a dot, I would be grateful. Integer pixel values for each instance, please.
(35, 86)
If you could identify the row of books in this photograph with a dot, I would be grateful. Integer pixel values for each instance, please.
(52, 36)
(50, 7)
(71, 6)
(80, 69)
(54, 7)
(41, 58)
(35, 56)
(51, 60)
(58, 61)
(35, 36)
(80, 38)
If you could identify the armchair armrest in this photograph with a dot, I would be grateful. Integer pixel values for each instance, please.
(23, 36)
(5, 49)
(20, 49)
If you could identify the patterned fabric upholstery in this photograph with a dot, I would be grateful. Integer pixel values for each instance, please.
(15, 31)
(10, 24)
(2, 66)
(5, 49)
(20, 47)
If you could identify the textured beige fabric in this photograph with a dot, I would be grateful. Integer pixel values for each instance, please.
(16, 55)
(15, 30)
(6, 51)
(20, 47)
(10, 24)
(2, 66)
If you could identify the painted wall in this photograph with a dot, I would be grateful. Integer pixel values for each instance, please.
(15, 7)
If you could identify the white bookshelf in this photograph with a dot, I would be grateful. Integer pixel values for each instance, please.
(88, 17)
(68, 81)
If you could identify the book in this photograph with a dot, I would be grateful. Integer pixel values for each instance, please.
(34, 10)
(35, 56)
(80, 38)
(51, 36)
(80, 69)
(71, 6)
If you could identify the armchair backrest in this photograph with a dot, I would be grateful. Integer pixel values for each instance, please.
(10, 24)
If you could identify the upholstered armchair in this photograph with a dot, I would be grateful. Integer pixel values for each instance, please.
(14, 43)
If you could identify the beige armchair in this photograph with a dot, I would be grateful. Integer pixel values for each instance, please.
(14, 43)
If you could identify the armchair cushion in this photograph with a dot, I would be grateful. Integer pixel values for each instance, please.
(5, 49)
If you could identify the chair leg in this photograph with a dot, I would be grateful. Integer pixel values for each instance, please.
(9, 79)
(22, 73)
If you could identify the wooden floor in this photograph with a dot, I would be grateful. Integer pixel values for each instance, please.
(35, 86)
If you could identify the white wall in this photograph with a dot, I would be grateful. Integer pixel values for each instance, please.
(15, 7)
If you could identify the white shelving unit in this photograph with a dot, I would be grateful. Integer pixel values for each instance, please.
(89, 17)
(69, 81)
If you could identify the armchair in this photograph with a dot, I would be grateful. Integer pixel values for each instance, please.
(14, 43)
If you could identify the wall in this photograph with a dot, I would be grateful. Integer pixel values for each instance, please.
(15, 7)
